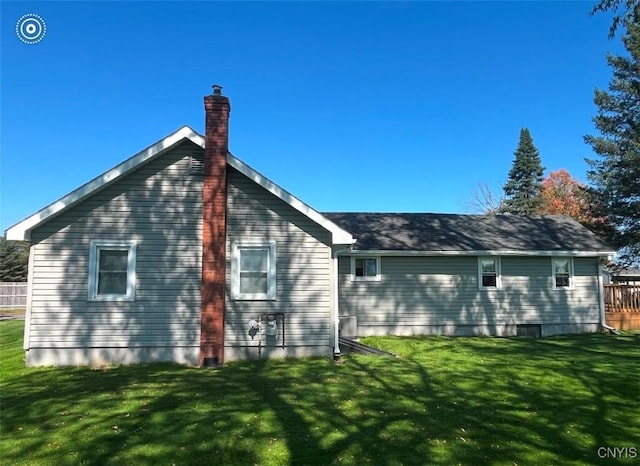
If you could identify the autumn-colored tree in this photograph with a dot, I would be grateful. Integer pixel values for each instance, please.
(561, 194)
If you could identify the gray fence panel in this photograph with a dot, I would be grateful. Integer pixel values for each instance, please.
(13, 294)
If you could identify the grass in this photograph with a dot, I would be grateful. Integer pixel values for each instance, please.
(443, 401)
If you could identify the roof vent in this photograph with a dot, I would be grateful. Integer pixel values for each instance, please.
(196, 163)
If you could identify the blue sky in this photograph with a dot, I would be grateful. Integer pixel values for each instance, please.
(363, 106)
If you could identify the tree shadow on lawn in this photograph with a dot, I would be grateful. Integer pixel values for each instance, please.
(468, 401)
(532, 400)
(584, 389)
(129, 414)
(405, 411)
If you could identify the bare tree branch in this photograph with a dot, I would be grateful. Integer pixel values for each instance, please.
(483, 200)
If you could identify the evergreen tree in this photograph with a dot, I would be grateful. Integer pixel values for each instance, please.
(625, 11)
(14, 260)
(615, 174)
(522, 190)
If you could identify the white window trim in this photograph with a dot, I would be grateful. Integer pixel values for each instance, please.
(270, 295)
(378, 276)
(97, 245)
(571, 274)
(498, 273)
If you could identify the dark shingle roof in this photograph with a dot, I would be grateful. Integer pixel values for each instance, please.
(453, 232)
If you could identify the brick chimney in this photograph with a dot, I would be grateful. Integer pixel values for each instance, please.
(214, 228)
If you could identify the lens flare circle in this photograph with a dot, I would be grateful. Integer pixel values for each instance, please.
(31, 28)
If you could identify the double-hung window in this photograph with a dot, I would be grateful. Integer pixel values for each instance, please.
(562, 272)
(253, 271)
(365, 268)
(112, 270)
(489, 273)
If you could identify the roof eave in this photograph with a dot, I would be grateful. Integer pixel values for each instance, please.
(338, 235)
(386, 252)
(21, 231)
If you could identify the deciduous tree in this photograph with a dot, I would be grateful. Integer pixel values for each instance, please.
(484, 201)
(561, 194)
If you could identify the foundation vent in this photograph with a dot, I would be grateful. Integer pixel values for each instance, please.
(529, 330)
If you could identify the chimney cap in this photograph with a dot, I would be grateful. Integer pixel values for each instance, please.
(217, 89)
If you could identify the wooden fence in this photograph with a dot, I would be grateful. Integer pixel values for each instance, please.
(13, 295)
(622, 306)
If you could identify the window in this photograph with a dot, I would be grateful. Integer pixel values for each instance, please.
(563, 273)
(112, 270)
(365, 268)
(489, 273)
(253, 271)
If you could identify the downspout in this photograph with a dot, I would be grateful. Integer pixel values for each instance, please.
(27, 315)
(335, 298)
(336, 313)
(603, 320)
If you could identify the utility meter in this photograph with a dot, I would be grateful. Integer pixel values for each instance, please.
(272, 327)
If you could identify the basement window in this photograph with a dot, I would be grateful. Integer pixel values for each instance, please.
(489, 273)
(529, 330)
(253, 271)
(112, 270)
(562, 273)
(365, 268)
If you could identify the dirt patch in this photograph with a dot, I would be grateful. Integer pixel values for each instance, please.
(12, 314)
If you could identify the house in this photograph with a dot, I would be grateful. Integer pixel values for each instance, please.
(627, 275)
(184, 253)
(470, 274)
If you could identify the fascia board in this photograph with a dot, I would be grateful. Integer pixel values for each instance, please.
(339, 236)
(379, 252)
(22, 229)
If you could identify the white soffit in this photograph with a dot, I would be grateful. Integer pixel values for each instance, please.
(385, 252)
(22, 230)
(339, 236)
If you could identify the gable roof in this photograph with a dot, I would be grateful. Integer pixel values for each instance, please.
(626, 273)
(22, 230)
(412, 233)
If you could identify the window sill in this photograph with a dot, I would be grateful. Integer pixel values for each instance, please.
(99, 299)
(366, 279)
(252, 298)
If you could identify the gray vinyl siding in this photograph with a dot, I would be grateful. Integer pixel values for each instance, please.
(424, 292)
(159, 205)
(303, 270)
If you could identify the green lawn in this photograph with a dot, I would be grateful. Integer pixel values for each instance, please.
(443, 401)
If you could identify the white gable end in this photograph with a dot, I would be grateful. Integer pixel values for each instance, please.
(22, 230)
